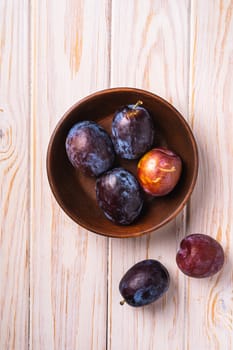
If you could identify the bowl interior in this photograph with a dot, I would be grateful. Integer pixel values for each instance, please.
(75, 192)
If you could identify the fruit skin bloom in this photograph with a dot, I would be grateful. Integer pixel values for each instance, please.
(89, 148)
(132, 131)
(144, 283)
(200, 256)
(159, 171)
(119, 195)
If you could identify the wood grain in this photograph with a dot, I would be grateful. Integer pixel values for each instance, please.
(14, 174)
(210, 302)
(150, 51)
(52, 53)
(70, 59)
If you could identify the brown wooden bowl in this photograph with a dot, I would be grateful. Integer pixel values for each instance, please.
(75, 192)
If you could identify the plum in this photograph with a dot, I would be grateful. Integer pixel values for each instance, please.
(119, 195)
(132, 131)
(89, 148)
(200, 256)
(158, 171)
(144, 283)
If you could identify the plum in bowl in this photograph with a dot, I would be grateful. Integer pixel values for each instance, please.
(75, 191)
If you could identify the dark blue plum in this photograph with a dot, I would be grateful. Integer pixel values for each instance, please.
(89, 148)
(119, 195)
(132, 131)
(144, 283)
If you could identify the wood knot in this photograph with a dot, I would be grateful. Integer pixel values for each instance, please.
(5, 138)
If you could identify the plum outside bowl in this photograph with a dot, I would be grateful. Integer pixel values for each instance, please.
(75, 192)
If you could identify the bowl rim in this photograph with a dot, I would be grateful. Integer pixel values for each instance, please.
(116, 90)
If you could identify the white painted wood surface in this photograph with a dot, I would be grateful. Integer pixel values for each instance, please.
(69, 58)
(58, 282)
(14, 174)
(146, 40)
(210, 302)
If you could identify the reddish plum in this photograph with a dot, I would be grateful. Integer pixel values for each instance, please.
(200, 256)
(159, 171)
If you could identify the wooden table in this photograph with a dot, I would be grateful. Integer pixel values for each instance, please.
(58, 282)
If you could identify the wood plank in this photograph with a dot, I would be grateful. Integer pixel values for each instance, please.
(209, 301)
(150, 51)
(70, 59)
(14, 175)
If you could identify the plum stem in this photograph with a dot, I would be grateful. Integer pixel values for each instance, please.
(139, 103)
(122, 302)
